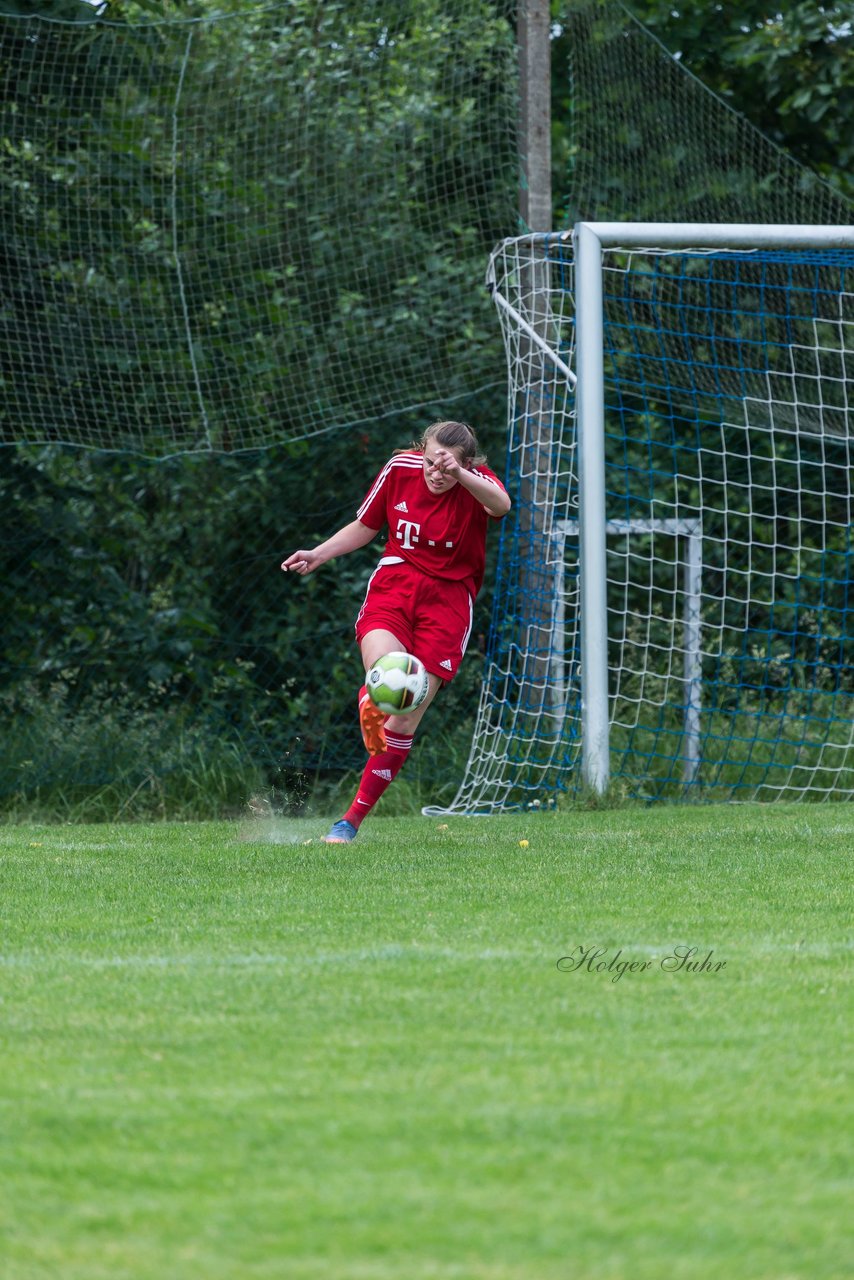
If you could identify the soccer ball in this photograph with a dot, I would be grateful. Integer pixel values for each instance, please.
(397, 683)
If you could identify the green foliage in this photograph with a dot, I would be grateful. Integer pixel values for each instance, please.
(229, 234)
(151, 593)
(639, 137)
(77, 11)
(145, 608)
(789, 69)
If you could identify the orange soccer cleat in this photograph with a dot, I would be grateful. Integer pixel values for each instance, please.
(372, 721)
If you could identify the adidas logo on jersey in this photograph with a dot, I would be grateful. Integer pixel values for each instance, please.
(385, 774)
(401, 506)
(447, 664)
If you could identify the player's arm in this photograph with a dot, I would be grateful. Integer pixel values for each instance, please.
(491, 495)
(350, 538)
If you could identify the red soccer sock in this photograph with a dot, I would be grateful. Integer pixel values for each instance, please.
(379, 773)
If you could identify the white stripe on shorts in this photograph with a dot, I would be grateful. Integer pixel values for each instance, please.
(380, 563)
(471, 624)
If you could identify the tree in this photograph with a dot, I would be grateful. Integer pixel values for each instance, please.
(788, 68)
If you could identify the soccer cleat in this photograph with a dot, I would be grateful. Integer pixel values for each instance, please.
(342, 833)
(371, 720)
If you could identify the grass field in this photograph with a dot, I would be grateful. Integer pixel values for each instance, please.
(227, 1052)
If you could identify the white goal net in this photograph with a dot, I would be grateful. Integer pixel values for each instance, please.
(674, 605)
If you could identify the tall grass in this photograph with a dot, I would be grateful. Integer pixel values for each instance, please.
(113, 760)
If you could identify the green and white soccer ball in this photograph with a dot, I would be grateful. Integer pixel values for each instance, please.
(397, 683)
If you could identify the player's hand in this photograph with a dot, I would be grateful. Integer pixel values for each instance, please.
(447, 464)
(300, 562)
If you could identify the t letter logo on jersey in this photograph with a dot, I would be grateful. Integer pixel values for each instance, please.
(409, 535)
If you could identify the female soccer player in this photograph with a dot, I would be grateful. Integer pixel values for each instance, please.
(437, 500)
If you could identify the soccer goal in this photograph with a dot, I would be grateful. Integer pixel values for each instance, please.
(674, 610)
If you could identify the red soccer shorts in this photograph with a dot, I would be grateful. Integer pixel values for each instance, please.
(430, 617)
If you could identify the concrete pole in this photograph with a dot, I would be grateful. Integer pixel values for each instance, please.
(535, 406)
(535, 115)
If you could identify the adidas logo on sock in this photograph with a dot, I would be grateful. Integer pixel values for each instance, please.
(401, 506)
(385, 774)
(447, 664)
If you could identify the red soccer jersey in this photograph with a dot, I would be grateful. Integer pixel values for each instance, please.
(443, 534)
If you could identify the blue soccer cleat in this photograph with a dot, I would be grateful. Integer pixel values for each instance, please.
(342, 833)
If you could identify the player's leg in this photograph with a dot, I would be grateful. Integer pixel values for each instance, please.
(378, 642)
(397, 731)
(382, 767)
(382, 626)
(442, 628)
(374, 646)
(410, 722)
(372, 723)
(371, 720)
